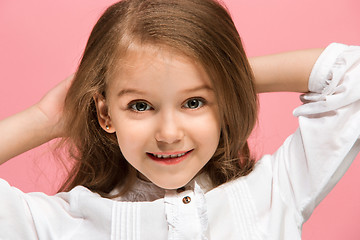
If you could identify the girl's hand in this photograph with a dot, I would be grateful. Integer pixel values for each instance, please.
(51, 106)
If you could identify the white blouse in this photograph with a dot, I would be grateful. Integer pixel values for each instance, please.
(272, 202)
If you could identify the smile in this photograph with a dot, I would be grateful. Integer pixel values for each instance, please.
(169, 158)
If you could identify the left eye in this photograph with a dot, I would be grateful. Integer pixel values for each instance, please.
(194, 103)
(140, 106)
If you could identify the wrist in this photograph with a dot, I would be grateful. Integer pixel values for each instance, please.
(43, 128)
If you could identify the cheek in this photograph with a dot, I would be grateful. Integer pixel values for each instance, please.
(207, 131)
(132, 136)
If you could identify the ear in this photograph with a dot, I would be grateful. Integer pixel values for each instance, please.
(103, 113)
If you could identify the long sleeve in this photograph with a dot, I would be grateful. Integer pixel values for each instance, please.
(15, 217)
(313, 160)
(78, 214)
(285, 187)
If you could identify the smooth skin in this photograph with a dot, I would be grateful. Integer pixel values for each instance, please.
(42, 122)
(284, 72)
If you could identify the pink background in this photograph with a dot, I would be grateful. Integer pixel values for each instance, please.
(41, 43)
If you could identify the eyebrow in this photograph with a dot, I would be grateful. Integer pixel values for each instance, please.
(202, 87)
(135, 91)
(130, 91)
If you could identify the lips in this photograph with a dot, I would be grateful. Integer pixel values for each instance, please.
(169, 157)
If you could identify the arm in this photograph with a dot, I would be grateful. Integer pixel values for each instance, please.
(316, 156)
(35, 125)
(287, 71)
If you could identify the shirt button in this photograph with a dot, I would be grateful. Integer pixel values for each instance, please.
(186, 200)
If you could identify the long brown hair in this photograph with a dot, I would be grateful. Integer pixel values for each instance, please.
(200, 29)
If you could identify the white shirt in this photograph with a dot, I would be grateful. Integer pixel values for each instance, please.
(272, 202)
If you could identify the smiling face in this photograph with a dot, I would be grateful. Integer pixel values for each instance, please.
(163, 109)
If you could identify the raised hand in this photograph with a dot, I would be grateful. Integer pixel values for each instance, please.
(51, 106)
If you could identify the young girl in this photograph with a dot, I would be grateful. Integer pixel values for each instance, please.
(157, 119)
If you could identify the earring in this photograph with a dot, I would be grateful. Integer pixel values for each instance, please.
(107, 127)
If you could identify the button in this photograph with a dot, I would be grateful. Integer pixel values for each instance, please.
(180, 190)
(186, 200)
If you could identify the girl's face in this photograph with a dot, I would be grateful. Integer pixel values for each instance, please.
(163, 109)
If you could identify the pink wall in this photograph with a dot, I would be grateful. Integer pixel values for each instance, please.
(41, 43)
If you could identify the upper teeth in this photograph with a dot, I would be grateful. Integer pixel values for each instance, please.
(169, 156)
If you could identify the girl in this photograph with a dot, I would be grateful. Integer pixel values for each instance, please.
(156, 120)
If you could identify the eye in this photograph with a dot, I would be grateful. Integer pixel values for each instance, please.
(139, 106)
(194, 103)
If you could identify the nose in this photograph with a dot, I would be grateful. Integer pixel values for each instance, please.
(169, 129)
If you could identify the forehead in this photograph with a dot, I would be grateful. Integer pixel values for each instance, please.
(149, 66)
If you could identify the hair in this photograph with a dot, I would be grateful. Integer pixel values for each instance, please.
(199, 29)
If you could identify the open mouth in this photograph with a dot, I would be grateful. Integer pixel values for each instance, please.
(169, 158)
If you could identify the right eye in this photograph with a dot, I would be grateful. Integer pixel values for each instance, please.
(139, 106)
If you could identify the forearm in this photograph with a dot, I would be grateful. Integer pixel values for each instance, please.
(284, 72)
(22, 132)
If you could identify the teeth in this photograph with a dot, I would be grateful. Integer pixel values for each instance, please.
(169, 156)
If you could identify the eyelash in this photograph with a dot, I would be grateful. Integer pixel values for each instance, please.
(132, 105)
(202, 101)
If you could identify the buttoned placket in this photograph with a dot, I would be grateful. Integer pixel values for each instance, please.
(184, 213)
